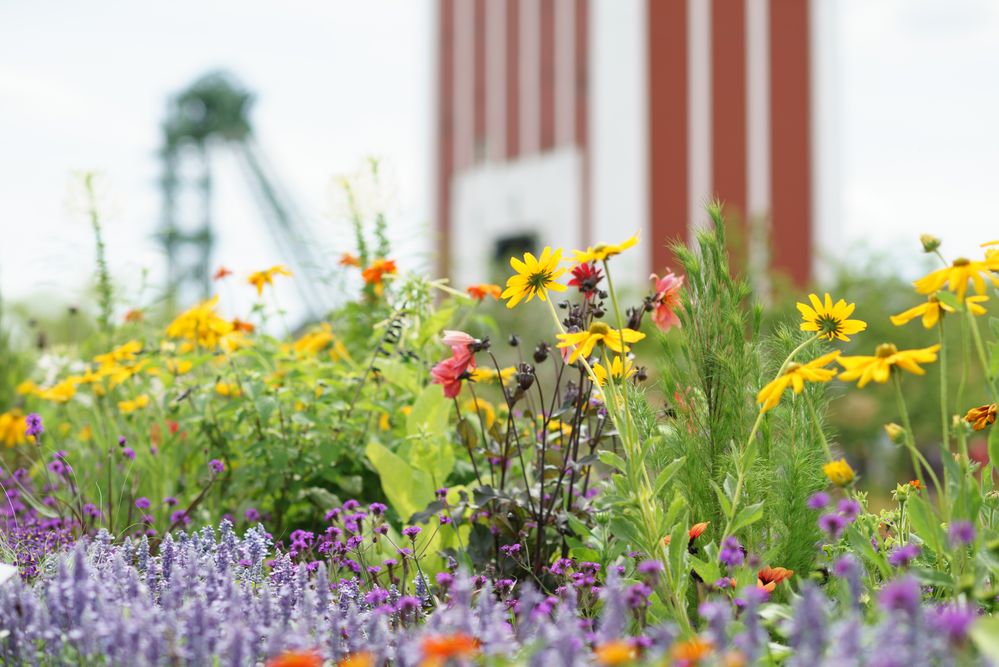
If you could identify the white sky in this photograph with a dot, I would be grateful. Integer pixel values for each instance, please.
(912, 121)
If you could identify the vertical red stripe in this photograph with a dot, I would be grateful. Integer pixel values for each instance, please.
(668, 212)
(479, 69)
(547, 74)
(445, 132)
(580, 102)
(512, 78)
(790, 138)
(728, 92)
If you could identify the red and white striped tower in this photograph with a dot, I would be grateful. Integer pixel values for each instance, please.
(574, 121)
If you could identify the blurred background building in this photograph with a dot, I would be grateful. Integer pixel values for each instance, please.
(571, 122)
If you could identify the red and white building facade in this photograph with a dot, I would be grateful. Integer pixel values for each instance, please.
(572, 122)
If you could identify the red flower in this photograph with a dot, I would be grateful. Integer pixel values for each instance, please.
(346, 259)
(666, 300)
(221, 273)
(480, 292)
(585, 277)
(769, 577)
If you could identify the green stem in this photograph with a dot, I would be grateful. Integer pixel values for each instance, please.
(945, 426)
(818, 428)
(982, 357)
(910, 442)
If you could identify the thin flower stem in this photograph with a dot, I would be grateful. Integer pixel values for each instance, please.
(818, 428)
(982, 357)
(910, 442)
(945, 427)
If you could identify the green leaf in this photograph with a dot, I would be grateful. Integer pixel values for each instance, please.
(401, 374)
(407, 488)
(434, 324)
(932, 577)
(726, 505)
(611, 459)
(985, 634)
(707, 571)
(747, 516)
(925, 523)
(665, 475)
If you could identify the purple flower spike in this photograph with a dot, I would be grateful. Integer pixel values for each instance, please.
(411, 532)
(903, 555)
(818, 500)
(961, 532)
(216, 466)
(901, 595)
(849, 509)
(732, 553)
(34, 425)
(832, 525)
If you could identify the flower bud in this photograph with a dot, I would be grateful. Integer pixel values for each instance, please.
(895, 433)
(514, 340)
(930, 242)
(541, 352)
(525, 376)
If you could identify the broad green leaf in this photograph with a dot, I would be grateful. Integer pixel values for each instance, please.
(401, 374)
(611, 459)
(726, 505)
(985, 634)
(709, 572)
(925, 523)
(747, 516)
(932, 577)
(665, 475)
(407, 488)
(434, 324)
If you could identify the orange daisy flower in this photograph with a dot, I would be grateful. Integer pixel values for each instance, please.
(296, 659)
(439, 649)
(376, 271)
(221, 273)
(347, 259)
(481, 291)
(769, 577)
(241, 325)
(981, 417)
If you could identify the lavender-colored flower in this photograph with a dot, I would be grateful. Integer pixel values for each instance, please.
(849, 509)
(33, 423)
(411, 532)
(903, 555)
(961, 533)
(122, 441)
(954, 620)
(129, 453)
(252, 515)
(732, 553)
(901, 594)
(832, 524)
(377, 508)
(142, 503)
(216, 466)
(818, 500)
(653, 567)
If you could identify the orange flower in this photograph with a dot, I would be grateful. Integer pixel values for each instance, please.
(916, 484)
(481, 291)
(439, 649)
(346, 259)
(769, 577)
(981, 417)
(296, 659)
(615, 652)
(362, 659)
(374, 273)
(134, 315)
(221, 273)
(240, 325)
(690, 652)
(695, 531)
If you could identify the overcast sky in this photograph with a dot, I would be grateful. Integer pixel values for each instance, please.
(914, 101)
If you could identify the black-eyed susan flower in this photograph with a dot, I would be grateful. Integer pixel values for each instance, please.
(534, 277)
(602, 251)
(266, 277)
(829, 320)
(956, 277)
(981, 416)
(839, 472)
(795, 375)
(583, 342)
(886, 356)
(619, 369)
(933, 309)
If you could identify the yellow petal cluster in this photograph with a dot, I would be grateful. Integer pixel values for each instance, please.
(829, 320)
(887, 356)
(602, 251)
(583, 342)
(934, 309)
(13, 428)
(266, 277)
(534, 277)
(618, 369)
(839, 472)
(201, 325)
(795, 375)
(957, 276)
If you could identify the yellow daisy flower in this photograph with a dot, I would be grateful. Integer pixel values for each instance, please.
(140, 401)
(618, 369)
(794, 376)
(602, 251)
(934, 309)
(583, 342)
(13, 428)
(956, 277)
(878, 367)
(483, 374)
(227, 389)
(484, 410)
(829, 320)
(839, 472)
(200, 324)
(266, 277)
(535, 275)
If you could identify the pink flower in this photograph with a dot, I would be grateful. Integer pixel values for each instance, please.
(666, 300)
(457, 340)
(450, 372)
